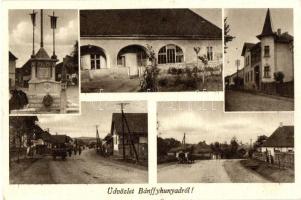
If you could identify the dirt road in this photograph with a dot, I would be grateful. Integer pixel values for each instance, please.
(207, 171)
(84, 169)
(243, 101)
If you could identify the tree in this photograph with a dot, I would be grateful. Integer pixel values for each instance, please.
(260, 140)
(227, 37)
(150, 76)
(74, 52)
(279, 76)
(21, 127)
(233, 147)
(164, 145)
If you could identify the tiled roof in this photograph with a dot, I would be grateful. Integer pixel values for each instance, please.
(147, 22)
(282, 137)
(137, 123)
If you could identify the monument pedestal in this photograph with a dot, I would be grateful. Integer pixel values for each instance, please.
(38, 89)
(44, 92)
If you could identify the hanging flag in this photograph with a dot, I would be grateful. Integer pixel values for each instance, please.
(53, 21)
(33, 17)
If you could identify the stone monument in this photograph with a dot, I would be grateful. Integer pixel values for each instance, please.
(44, 91)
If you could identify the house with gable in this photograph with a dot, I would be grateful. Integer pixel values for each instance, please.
(130, 134)
(12, 70)
(116, 40)
(281, 140)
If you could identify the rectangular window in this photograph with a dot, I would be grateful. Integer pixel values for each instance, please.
(266, 73)
(95, 61)
(266, 51)
(251, 75)
(209, 53)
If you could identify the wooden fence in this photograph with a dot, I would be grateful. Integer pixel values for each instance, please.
(284, 89)
(284, 160)
(280, 159)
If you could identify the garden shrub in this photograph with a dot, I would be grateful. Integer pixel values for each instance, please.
(163, 82)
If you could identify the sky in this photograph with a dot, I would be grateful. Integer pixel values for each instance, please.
(246, 24)
(20, 33)
(206, 121)
(93, 113)
(213, 15)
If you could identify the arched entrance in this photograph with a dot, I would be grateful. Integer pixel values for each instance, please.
(133, 57)
(92, 57)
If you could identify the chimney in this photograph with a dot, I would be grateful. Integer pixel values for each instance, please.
(280, 124)
(279, 31)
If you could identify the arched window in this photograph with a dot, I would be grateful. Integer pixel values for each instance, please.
(170, 54)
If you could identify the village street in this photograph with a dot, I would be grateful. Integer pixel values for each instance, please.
(86, 168)
(207, 171)
(243, 101)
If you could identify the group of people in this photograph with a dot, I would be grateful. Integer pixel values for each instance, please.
(75, 149)
(185, 157)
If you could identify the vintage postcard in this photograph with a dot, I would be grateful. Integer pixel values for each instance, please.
(150, 100)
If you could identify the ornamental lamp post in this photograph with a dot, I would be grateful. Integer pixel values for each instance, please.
(33, 20)
(53, 22)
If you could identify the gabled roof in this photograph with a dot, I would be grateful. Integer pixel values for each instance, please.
(147, 22)
(256, 46)
(282, 137)
(12, 56)
(247, 46)
(26, 68)
(267, 29)
(137, 123)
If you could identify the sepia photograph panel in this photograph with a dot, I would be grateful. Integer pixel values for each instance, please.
(259, 60)
(107, 143)
(211, 146)
(151, 50)
(43, 61)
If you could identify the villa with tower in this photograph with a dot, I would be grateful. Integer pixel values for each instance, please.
(268, 62)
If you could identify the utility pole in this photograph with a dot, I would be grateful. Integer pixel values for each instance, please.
(184, 142)
(97, 140)
(124, 122)
(237, 62)
(122, 105)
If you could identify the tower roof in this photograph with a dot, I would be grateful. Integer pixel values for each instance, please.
(42, 54)
(267, 27)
